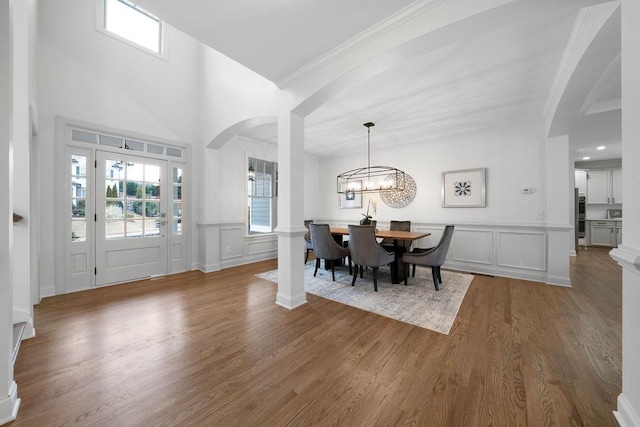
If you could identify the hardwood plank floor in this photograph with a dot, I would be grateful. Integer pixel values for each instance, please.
(214, 349)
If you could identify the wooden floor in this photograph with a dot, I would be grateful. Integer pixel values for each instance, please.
(215, 350)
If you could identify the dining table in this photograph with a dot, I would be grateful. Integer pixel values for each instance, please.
(398, 268)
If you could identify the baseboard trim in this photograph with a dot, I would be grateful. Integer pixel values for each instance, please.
(9, 405)
(291, 302)
(626, 415)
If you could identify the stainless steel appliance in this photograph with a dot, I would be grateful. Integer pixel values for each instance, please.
(582, 215)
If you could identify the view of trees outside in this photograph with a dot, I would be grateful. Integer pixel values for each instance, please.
(132, 200)
(132, 197)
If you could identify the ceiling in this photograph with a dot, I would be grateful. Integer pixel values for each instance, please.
(491, 75)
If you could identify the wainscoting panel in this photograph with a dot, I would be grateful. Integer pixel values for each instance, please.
(79, 263)
(177, 251)
(475, 246)
(231, 242)
(429, 241)
(522, 250)
(262, 246)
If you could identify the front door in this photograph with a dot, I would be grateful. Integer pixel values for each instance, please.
(131, 223)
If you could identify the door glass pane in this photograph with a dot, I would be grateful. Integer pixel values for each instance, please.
(78, 231)
(135, 171)
(114, 229)
(114, 209)
(152, 209)
(152, 191)
(134, 227)
(177, 226)
(134, 189)
(152, 173)
(78, 198)
(152, 228)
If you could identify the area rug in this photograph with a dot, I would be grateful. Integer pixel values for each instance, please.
(418, 303)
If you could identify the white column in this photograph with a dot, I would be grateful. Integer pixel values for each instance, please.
(628, 254)
(558, 176)
(8, 391)
(21, 130)
(290, 229)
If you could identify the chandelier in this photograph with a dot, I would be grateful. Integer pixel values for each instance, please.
(371, 179)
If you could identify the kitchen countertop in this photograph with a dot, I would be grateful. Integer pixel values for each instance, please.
(604, 219)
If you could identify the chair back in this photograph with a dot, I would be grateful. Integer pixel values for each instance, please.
(439, 253)
(398, 226)
(307, 235)
(324, 245)
(365, 249)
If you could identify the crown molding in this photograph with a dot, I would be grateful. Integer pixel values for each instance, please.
(367, 36)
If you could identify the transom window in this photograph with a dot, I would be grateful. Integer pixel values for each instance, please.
(262, 190)
(133, 24)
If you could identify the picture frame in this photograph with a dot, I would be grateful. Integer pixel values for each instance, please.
(350, 200)
(614, 213)
(464, 188)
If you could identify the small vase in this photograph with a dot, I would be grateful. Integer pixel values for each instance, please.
(365, 221)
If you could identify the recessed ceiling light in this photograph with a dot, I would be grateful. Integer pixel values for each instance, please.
(602, 147)
(586, 158)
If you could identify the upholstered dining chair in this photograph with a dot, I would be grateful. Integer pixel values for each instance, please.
(307, 240)
(367, 252)
(388, 244)
(325, 247)
(433, 257)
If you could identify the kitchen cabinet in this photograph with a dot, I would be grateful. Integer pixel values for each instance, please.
(604, 186)
(581, 182)
(605, 233)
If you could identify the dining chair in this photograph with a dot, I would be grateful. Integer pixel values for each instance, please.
(432, 257)
(307, 240)
(367, 252)
(325, 247)
(389, 244)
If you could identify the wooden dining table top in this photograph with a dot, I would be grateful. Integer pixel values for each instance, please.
(387, 234)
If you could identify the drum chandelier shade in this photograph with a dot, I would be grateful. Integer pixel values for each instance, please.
(371, 179)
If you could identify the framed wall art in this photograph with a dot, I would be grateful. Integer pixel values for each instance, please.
(350, 200)
(464, 188)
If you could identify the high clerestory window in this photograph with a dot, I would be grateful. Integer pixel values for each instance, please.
(127, 22)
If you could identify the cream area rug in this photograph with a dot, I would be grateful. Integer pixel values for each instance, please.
(418, 303)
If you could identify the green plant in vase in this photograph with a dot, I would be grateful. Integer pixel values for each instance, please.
(367, 218)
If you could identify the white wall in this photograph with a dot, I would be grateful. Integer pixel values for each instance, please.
(513, 156)
(88, 76)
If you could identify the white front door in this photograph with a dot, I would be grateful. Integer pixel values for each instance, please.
(131, 222)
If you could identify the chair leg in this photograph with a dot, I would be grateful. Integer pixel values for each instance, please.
(306, 256)
(317, 266)
(349, 259)
(414, 271)
(355, 274)
(434, 274)
(333, 270)
(439, 276)
(375, 279)
(361, 272)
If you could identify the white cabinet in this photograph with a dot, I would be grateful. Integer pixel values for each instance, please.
(616, 185)
(604, 186)
(605, 233)
(581, 182)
